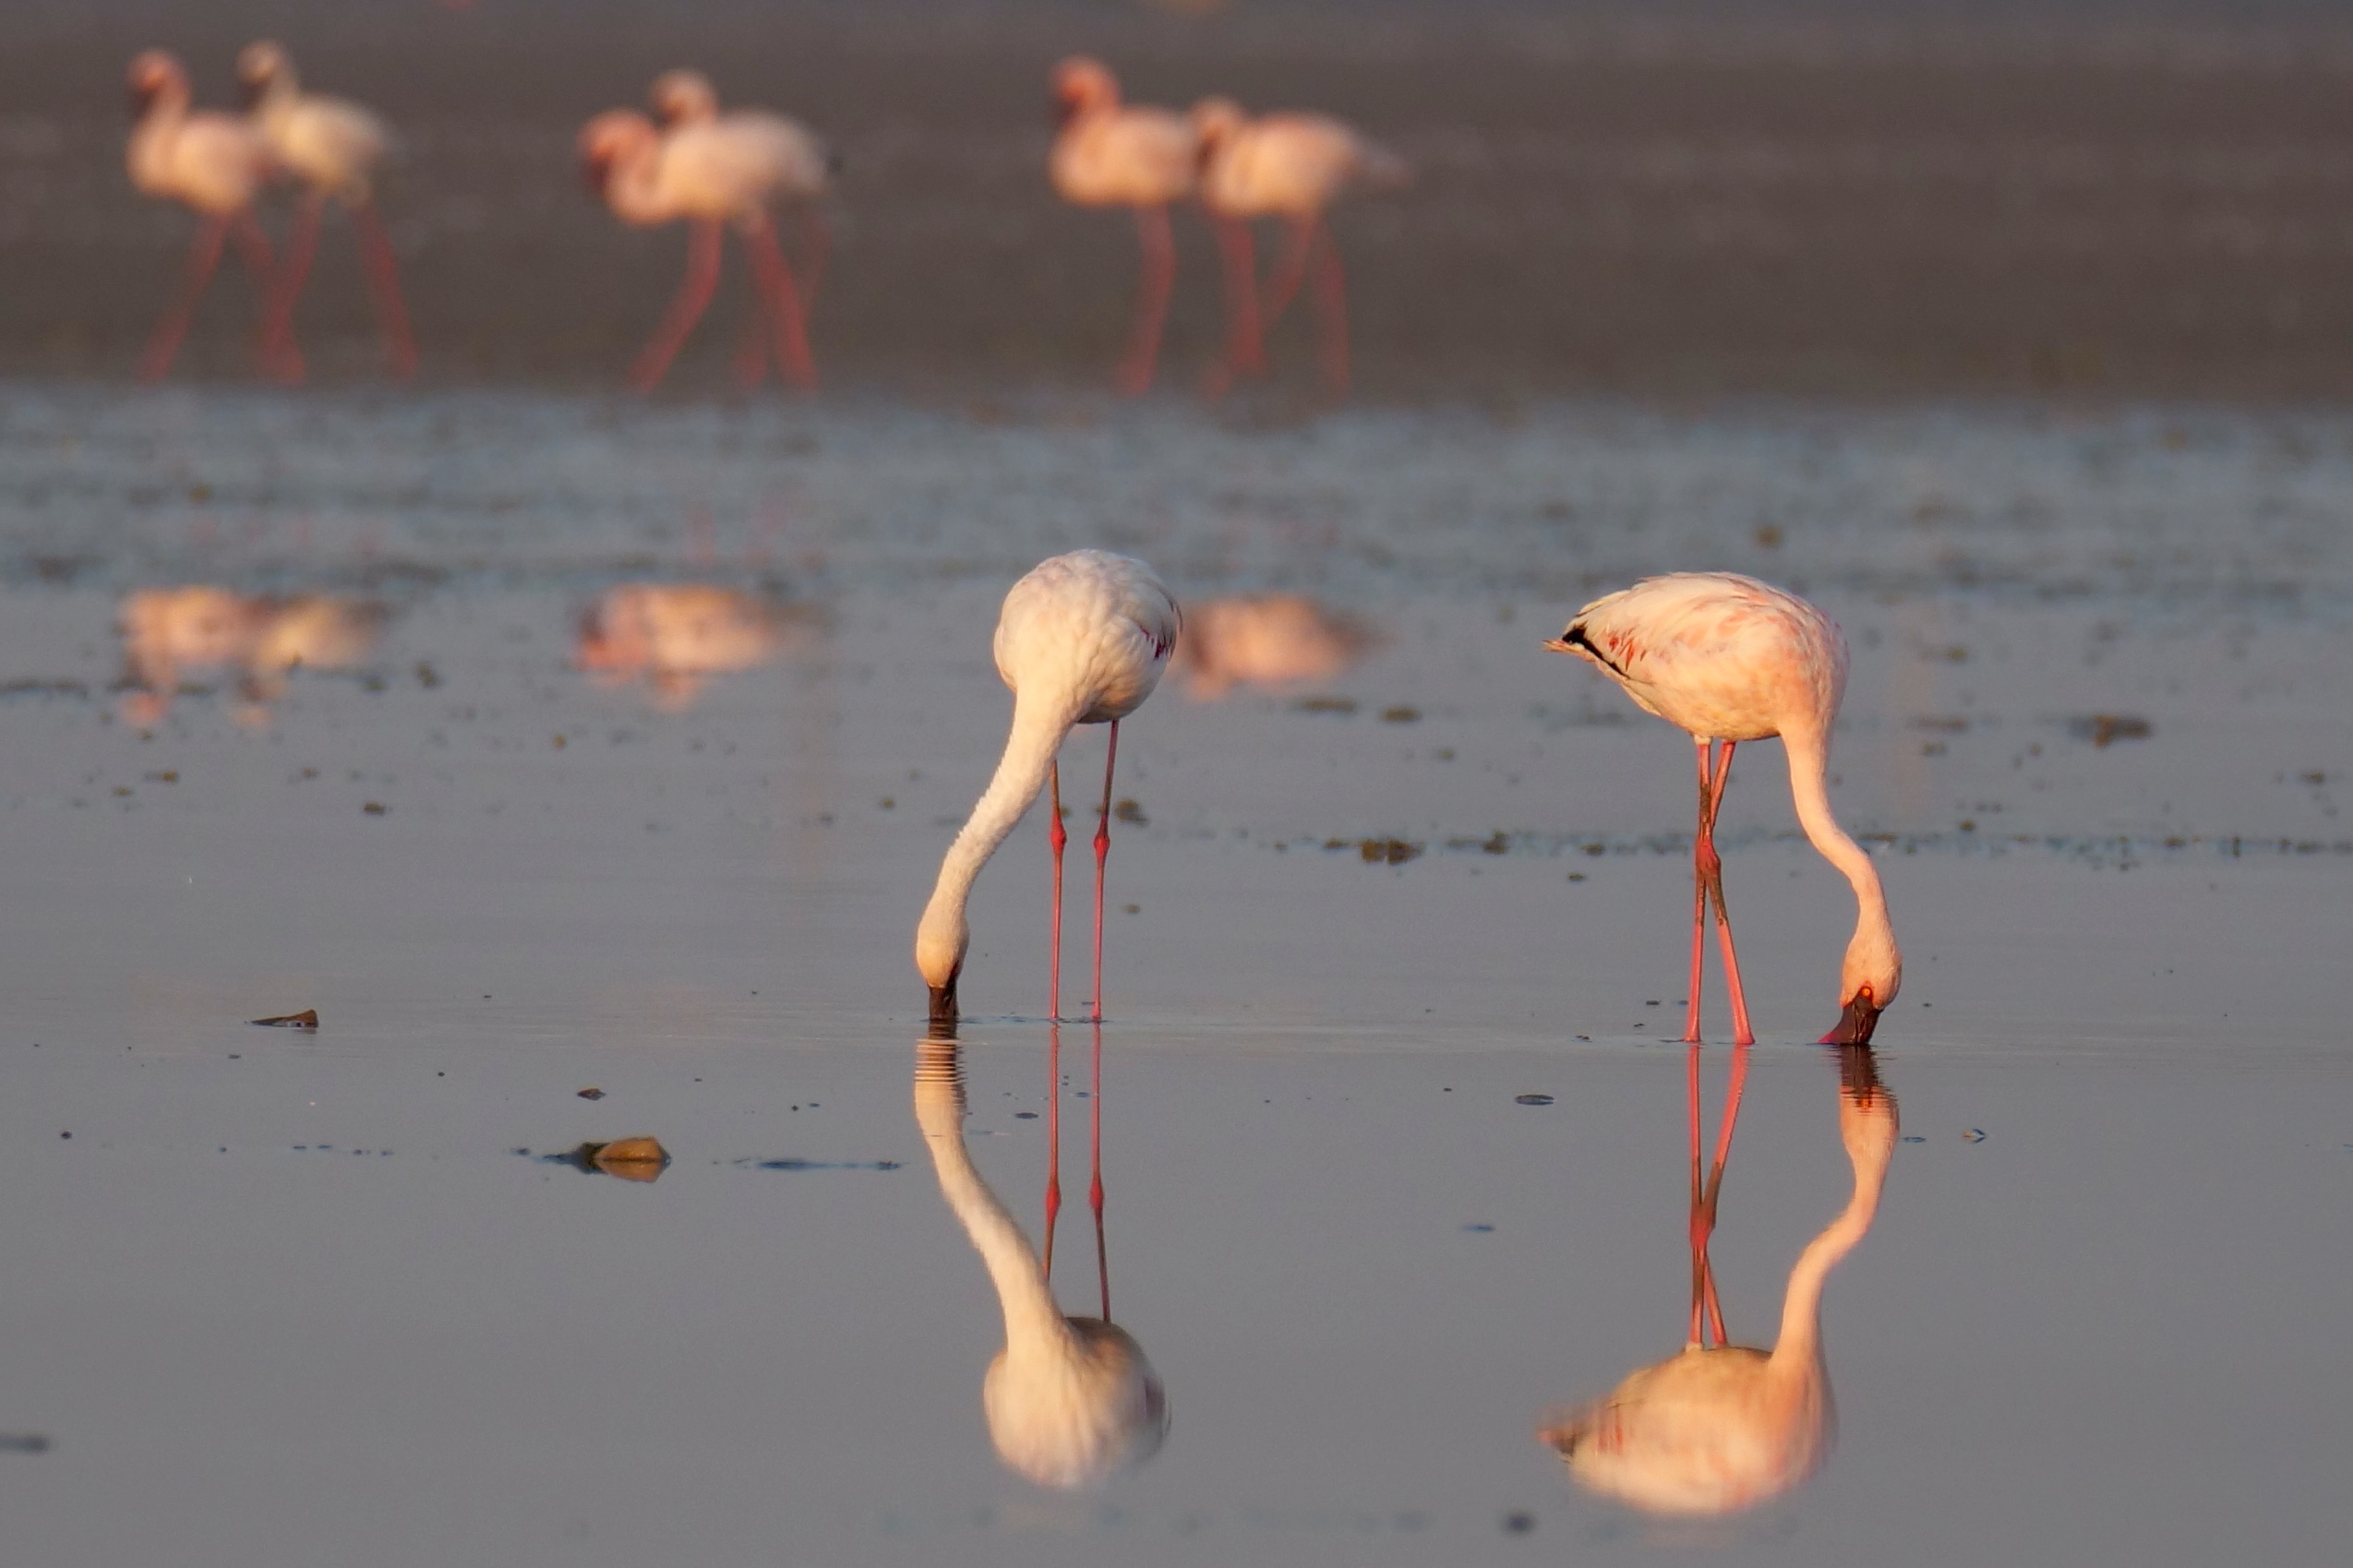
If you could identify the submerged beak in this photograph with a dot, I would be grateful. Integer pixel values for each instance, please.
(944, 1004)
(1855, 1025)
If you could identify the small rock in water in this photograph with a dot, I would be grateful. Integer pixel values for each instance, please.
(592, 1093)
(1975, 1135)
(1531, 1100)
(631, 1159)
(1518, 1523)
(1914, 1138)
(2104, 729)
(307, 1019)
(1480, 1229)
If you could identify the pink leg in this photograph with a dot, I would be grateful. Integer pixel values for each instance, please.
(1699, 1234)
(1102, 854)
(791, 321)
(384, 283)
(278, 314)
(1741, 1034)
(1245, 348)
(1701, 849)
(1331, 310)
(817, 249)
(1056, 836)
(1155, 281)
(204, 256)
(693, 298)
(1053, 1138)
(1095, 1183)
(252, 249)
(1282, 285)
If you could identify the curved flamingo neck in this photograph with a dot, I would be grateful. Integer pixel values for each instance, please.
(1034, 1321)
(1809, 757)
(1039, 726)
(1799, 1347)
(634, 187)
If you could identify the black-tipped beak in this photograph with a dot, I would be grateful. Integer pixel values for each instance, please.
(1856, 1023)
(944, 1004)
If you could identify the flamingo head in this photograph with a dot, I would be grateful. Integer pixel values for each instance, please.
(682, 97)
(1082, 84)
(263, 67)
(1867, 982)
(608, 139)
(1214, 120)
(154, 74)
(940, 945)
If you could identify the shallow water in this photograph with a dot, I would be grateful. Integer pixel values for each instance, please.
(284, 1298)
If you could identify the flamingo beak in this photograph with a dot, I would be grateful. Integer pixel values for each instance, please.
(594, 169)
(1065, 106)
(143, 93)
(944, 1004)
(1854, 1022)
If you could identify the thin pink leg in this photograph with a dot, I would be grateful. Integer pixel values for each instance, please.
(1291, 271)
(1331, 310)
(702, 240)
(1715, 1178)
(293, 274)
(817, 249)
(384, 283)
(1698, 1235)
(784, 308)
(1154, 281)
(1056, 835)
(1053, 1138)
(204, 256)
(1245, 345)
(1702, 848)
(1102, 854)
(1741, 1034)
(1094, 1185)
(261, 265)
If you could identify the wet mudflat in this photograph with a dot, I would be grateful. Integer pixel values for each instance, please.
(283, 1296)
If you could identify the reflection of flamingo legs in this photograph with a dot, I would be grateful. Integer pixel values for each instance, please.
(1704, 1194)
(1095, 1164)
(1102, 854)
(1153, 283)
(703, 241)
(1053, 1136)
(1707, 887)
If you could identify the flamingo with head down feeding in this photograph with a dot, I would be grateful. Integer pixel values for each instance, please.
(709, 172)
(1731, 659)
(1107, 153)
(1081, 640)
(335, 148)
(215, 165)
(1291, 166)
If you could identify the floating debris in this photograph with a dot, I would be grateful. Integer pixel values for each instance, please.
(1915, 1138)
(1531, 1100)
(818, 1165)
(1480, 1229)
(1128, 811)
(1975, 1135)
(631, 1159)
(591, 1093)
(375, 808)
(1386, 851)
(307, 1019)
(1325, 705)
(23, 1443)
(1401, 715)
(2102, 729)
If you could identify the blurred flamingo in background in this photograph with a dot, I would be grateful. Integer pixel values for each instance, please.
(1081, 640)
(334, 147)
(1730, 658)
(215, 165)
(676, 636)
(1263, 640)
(734, 169)
(1291, 166)
(170, 632)
(683, 98)
(1111, 154)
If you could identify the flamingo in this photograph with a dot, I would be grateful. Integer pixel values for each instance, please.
(678, 635)
(168, 630)
(1069, 1400)
(1111, 154)
(1264, 640)
(1081, 640)
(1722, 1427)
(215, 165)
(734, 169)
(1294, 167)
(334, 147)
(687, 97)
(1725, 657)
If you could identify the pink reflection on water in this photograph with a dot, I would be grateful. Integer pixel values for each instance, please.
(674, 636)
(170, 634)
(1264, 640)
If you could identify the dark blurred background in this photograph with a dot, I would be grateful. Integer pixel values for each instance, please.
(1855, 199)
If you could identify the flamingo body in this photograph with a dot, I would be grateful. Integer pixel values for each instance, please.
(1107, 153)
(1081, 640)
(1729, 659)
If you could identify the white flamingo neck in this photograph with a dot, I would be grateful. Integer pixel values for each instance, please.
(1034, 1321)
(1799, 1347)
(1038, 725)
(1808, 751)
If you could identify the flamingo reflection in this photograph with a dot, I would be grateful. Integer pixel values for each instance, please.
(1264, 640)
(676, 636)
(171, 633)
(1069, 1401)
(1722, 1427)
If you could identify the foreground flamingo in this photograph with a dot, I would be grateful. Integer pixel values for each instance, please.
(1081, 640)
(215, 165)
(1293, 167)
(1729, 658)
(1722, 1427)
(1069, 1400)
(1111, 154)
(738, 170)
(334, 147)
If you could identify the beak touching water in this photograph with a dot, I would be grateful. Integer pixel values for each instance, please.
(1856, 1023)
(943, 1003)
